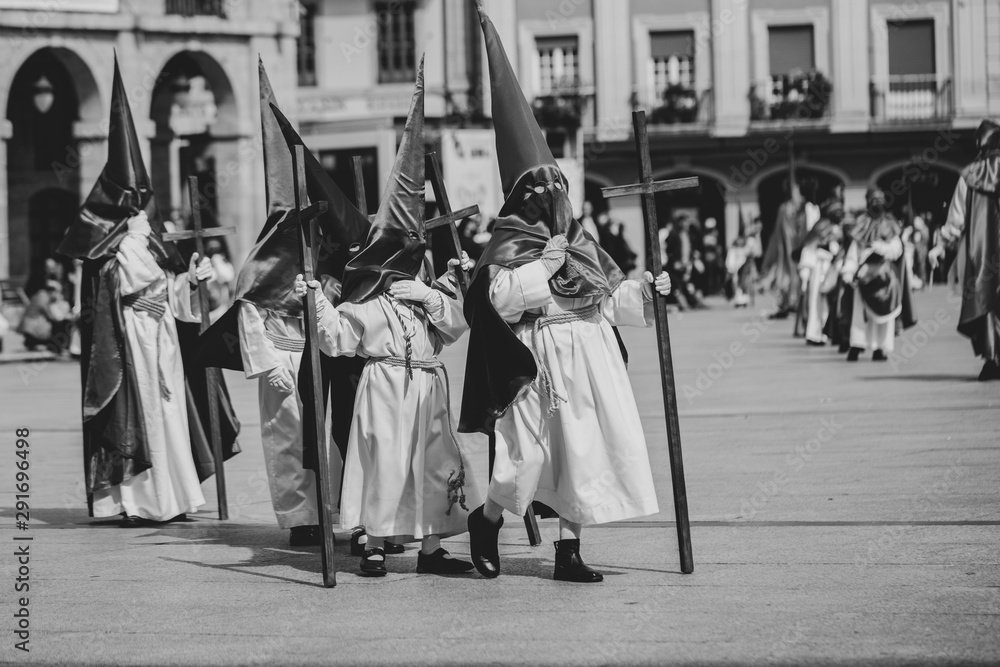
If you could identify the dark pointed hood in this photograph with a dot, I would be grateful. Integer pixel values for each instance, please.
(521, 146)
(396, 244)
(122, 190)
(279, 187)
(983, 174)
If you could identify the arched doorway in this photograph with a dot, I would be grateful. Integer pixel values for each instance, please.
(194, 111)
(928, 189)
(51, 91)
(816, 185)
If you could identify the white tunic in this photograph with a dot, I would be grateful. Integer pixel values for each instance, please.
(816, 263)
(170, 487)
(587, 461)
(870, 331)
(402, 450)
(268, 341)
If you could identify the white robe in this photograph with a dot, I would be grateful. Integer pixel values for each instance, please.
(588, 461)
(293, 488)
(815, 265)
(402, 448)
(868, 330)
(170, 487)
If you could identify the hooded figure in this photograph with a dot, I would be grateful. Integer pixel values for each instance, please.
(817, 271)
(145, 450)
(874, 264)
(405, 477)
(973, 225)
(779, 270)
(545, 373)
(266, 319)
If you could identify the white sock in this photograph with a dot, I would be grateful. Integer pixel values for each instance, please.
(430, 544)
(492, 510)
(376, 543)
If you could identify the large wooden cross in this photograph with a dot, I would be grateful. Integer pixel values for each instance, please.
(212, 375)
(647, 189)
(448, 217)
(308, 249)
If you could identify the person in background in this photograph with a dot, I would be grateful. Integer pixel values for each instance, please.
(468, 230)
(711, 255)
(48, 320)
(588, 223)
(220, 288)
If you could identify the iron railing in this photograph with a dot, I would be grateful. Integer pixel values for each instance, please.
(792, 97)
(678, 108)
(197, 7)
(912, 98)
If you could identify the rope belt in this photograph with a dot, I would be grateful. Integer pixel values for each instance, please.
(285, 343)
(456, 479)
(540, 322)
(155, 305)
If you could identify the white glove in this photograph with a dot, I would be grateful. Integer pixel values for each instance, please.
(198, 271)
(554, 254)
(804, 275)
(662, 284)
(281, 379)
(935, 256)
(139, 225)
(412, 290)
(321, 300)
(466, 263)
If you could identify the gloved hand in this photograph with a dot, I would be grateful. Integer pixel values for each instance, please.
(554, 254)
(935, 256)
(139, 225)
(281, 379)
(198, 271)
(321, 300)
(804, 275)
(466, 263)
(412, 290)
(661, 284)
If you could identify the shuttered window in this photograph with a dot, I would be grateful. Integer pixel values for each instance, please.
(791, 48)
(397, 57)
(306, 45)
(911, 48)
(558, 63)
(672, 55)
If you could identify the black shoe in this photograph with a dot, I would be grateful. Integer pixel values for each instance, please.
(879, 355)
(357, 546)
(779, 314)
(483, 537)
(129, 521)
(854, 353)
(991, 371)
(373, 568)
(816, 343)
(393, 548)
(570, 567)
(304, 536)
(844, 348)
(180, 518)
(439, 562)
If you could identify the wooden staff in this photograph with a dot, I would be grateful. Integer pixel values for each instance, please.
(647, 190)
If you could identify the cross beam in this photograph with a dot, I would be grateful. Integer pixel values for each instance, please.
(212, 375)
(647, 189)
(448, 217)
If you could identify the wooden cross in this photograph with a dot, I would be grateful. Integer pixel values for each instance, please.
(647, 189)
(448, 218)
(308, 249)
(212, 375)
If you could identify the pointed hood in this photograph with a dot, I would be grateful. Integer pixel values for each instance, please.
(521, 146)
(122, 190)
(279, 186)
(396, 244)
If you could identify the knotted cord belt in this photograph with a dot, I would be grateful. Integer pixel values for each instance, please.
(456, 480)
(156, 306)
(285, 343)
(539, 322)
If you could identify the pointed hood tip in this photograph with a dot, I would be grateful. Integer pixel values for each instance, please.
(481, 10)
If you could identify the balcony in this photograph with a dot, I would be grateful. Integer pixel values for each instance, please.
(912, 99)
(678, 110)
(197, 7)
(796, 98)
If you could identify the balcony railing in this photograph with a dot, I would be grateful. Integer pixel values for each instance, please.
(197, 7)
(796, 97)
(678, 109)
(912, 98)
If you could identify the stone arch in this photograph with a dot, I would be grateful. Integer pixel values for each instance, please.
(928, 185)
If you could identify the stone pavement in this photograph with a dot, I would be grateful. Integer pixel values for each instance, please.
(842, 514)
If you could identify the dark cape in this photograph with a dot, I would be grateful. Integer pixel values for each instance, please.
(979, 254)
(779, 270)
(883, 284)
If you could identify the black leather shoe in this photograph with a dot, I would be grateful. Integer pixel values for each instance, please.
(357, 546)
(815, 343)
(129, 521)
(854, 353)
(879, 355)
(439, 562)
(304, 536)
(373, 568)
(991, 371)
(180, 518)
(393, 548)
(570, 567)
(483, 537)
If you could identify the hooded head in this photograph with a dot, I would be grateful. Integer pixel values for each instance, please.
(986, 136)
(396, 243)
(278, 183)
(122, 190)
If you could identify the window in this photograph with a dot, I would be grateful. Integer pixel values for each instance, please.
(791, 48)
(396, 41)
(558, 63)
(197, 8)
(306, 44)
(912, 90)
(672, 56)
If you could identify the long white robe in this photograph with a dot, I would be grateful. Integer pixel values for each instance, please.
(170, 487)
(403, 449)
(293, 488)
(870, 331)
(587, 461)
(815, 265)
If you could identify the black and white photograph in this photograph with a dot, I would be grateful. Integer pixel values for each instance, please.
(500, 332)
